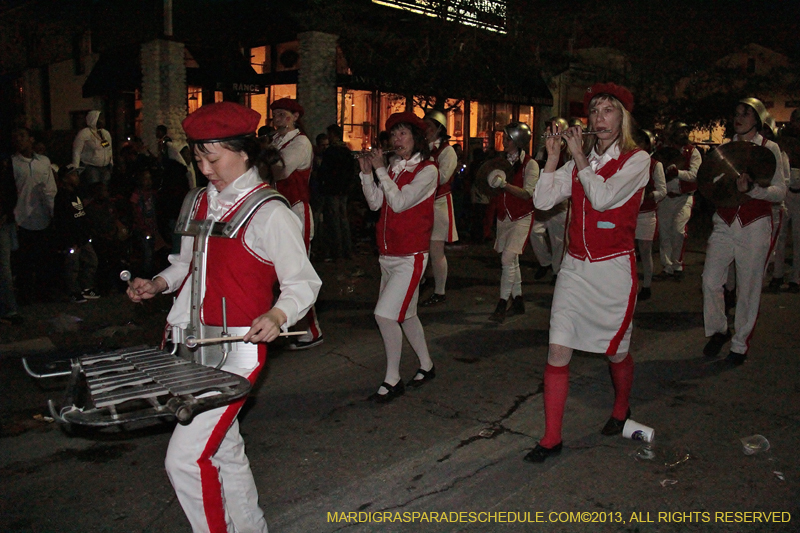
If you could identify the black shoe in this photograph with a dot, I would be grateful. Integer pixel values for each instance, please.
(677, 275)
(663, 276)
(736, 358)
(304, 345)
(433, 300)
(715, 344)
(427, 375)
(774, 285)
(540, 453)
(499, 314)
(645, 294)
(518, 305)
(541, 272)
(614, 426)
(394, 392)
(794, 288)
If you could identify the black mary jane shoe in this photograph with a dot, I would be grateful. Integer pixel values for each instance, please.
(540, 453)
(394, 392)
(614, 426)
(427, 375)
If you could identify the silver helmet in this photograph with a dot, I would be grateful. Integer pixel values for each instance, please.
(562, 123)
(437, 117)
(520, 134)
(759, 107)
(651, 138)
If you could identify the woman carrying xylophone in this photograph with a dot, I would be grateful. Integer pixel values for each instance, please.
(205, 460)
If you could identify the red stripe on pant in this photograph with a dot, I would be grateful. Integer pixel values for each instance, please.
(626, 321)
(412, 287)
(450, 222)
(307, 226)
(209, 475)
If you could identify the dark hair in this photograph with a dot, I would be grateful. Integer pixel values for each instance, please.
(268, 157)
(321, 137)
(161, 127)
(265, 131)
(420, 142)
(336, 130)
(249, 145)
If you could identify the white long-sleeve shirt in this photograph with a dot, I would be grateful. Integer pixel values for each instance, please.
(422, 187)
(88, 149)
(274, 234)
(447, 162)
(297, 154)
(36, 191)
(660, 181)
(555, 187)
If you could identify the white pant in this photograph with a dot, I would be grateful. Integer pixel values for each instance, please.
(210, 472)
(673, 215)
(554, 227)
(791, 217)
(748, 248)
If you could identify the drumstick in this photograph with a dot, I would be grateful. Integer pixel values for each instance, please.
(125, 275)
(192, 342)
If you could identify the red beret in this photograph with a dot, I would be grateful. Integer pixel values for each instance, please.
(408, 118)
(220, 122)
(288, 104)
(617, 91)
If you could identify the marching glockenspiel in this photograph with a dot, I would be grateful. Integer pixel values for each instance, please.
(133, 384)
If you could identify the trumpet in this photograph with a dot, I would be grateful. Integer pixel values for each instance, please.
(549, 135)
(359, 154)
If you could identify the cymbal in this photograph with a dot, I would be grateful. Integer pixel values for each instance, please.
(670, 156)
(496, 163)
(716, 178)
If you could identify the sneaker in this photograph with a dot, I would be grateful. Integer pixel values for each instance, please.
(77, 298)
(90, 294)
(715, 343)
(304, 345)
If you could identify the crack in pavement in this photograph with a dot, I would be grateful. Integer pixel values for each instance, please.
(348, 358)
(455, 482)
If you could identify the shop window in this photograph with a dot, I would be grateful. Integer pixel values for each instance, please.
(355, 116)
(194, 98)
(260, 59)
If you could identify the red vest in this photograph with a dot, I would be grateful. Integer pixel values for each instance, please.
(235, 272)
(688, 186)
(295, 187)
(509, 205)
(442, 189)
(749, 211)
(600, 236)
(407, 232)
(649, 204)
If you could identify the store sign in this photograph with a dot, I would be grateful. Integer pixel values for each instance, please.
(485, 14)
(241, 88)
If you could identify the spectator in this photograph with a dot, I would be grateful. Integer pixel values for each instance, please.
(336, 174)
(8, 199)
(73, 238)
(36, 192)
(92, 150)
(110, 235)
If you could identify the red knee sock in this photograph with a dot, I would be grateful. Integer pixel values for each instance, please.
(622, 378)
(556, 387)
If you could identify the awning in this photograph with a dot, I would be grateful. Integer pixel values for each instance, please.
(116, 71)
(224, 70)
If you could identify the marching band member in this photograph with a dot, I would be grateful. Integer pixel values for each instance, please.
(792, 202)
(595, 294)
(292, 181)
(741, 235)
(675, 210)
(552, 222)
(444, 221)
(514, 215)
(654, 192)
(405, 195)
(205, 461)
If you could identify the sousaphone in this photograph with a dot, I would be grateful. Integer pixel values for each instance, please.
(716, 178)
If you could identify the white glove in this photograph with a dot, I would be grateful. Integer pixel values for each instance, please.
(496, 178)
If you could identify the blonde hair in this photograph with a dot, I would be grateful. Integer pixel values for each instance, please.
(625, 140)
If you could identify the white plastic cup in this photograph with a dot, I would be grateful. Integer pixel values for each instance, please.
(635, 431)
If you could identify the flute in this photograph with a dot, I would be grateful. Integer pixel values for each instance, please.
(368, 153)
(549, 135)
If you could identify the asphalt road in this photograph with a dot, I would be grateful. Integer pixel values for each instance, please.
(318, 449)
